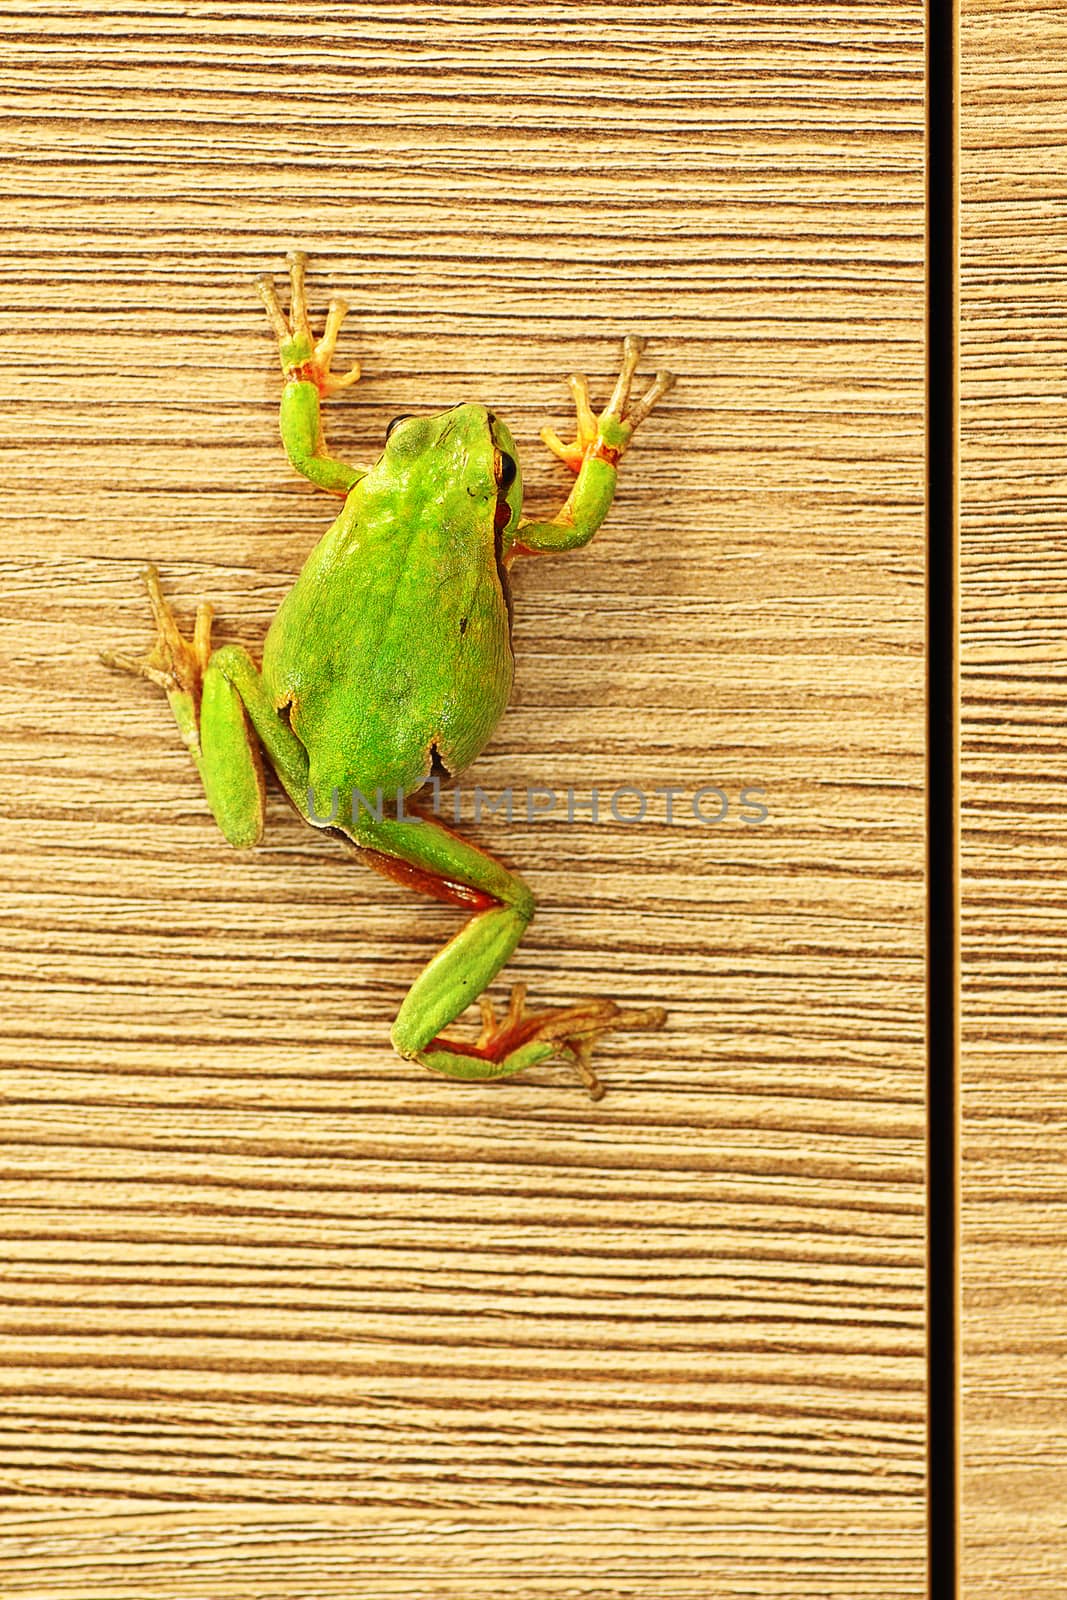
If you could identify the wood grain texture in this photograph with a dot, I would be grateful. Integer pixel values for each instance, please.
(283, 1317)
(1014, 1088)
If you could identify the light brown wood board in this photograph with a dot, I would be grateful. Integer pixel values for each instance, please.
(283, 1316)
(1013, 352)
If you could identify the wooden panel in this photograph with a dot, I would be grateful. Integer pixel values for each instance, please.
(1014, 508)
(282, 1316)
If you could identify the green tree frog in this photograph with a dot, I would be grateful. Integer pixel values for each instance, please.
(390, 661)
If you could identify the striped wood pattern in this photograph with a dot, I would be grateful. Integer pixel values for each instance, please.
(1014, 686)
(281, 1316)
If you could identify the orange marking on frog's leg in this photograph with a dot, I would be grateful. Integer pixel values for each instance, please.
(423, 881)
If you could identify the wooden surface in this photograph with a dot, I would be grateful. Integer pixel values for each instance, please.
(283, 1317)
(1014, 684)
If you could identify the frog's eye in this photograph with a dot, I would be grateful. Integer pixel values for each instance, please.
(506, 475)
(396, 423)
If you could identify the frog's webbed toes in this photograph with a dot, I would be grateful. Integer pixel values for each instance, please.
(655, 391)
(277, 317)
(619, 405)
(610, 433)
(330, 382)
(302, 357)
(570, 1033)
(175, 663)
(586, 426)
(577, 1031)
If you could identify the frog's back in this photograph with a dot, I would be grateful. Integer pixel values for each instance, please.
(393, 650)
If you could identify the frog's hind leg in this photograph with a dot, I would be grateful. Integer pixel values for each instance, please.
(429, 857)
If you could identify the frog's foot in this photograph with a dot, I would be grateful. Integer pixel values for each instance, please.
(302, 357)
(521, 1037)
(609, 434)
(175, 663)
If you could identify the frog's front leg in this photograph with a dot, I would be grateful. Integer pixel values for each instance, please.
(214, 694)
(594, 456)
(308, 379)
(426, 855)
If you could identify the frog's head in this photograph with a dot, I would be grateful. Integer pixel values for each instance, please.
(465, 452)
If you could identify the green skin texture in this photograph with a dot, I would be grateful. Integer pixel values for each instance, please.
(393, 643)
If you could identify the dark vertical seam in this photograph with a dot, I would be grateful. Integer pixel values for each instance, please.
(942, 580)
